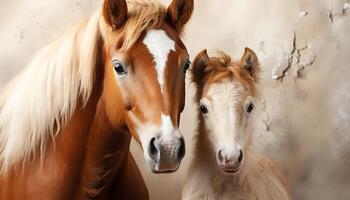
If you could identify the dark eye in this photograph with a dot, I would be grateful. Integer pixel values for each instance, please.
(119, 68)
(250, 108)
(203, 109)
(187, 66)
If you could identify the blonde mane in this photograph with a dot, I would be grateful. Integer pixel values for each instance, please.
(41, 100)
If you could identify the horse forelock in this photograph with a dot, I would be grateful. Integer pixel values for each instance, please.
(143, 15)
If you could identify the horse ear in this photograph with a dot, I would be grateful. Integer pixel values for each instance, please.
(250, 63)
(115, 12)
(180, 12)
(199, 68)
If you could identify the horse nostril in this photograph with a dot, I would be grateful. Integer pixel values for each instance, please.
(182, 149)
(240, 158)
(220, 156)
(153, 150)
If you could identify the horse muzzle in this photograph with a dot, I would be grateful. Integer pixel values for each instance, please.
(165, 154)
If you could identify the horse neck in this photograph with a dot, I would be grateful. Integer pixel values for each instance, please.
(90, 143)
(107, 147)
(93, 147)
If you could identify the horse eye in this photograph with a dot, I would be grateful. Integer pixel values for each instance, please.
(203, 109)
(118, 67)
(187, 66)
(250, 107)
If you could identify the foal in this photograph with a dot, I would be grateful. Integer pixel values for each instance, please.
(224, 167)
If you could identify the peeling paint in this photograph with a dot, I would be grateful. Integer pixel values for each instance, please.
(333, 14)
(303, 14)
(346, 6)
(280, 69)
(302, 65)
(266, 120)
(298, 59)
(261, 51)
(284, 62)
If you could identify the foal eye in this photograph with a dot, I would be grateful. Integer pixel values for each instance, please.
(119, 68)
(250, 107)
(187, 66)
(203, 109)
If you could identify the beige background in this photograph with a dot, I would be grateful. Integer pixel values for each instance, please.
(302, 120)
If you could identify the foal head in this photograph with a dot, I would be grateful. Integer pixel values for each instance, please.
(225, 93)
(144, 75)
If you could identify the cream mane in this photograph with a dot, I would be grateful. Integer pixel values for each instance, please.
(41, 99)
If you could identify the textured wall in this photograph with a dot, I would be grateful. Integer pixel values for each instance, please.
(302, 120)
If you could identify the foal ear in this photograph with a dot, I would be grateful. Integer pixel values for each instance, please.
(180, 12)
(115, 12)
(250, 63)
(200, 67)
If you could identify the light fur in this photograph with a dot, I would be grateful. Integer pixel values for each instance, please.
(259, 179)
(226, 92)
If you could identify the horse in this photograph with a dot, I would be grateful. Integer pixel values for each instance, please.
(66, 121)
(224, 165)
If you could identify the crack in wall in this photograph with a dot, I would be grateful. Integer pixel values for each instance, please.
(266, 120)
(284, 62)
(333, 14)
(296, 59)
(301, 66)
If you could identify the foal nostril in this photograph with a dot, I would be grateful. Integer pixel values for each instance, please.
(240, 158)
(182, 149)
(220, 156)
(153, 150)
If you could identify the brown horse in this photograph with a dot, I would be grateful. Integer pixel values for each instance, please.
(67, 120)
(224, 166)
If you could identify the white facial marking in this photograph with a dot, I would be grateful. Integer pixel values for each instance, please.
(167, 125)
(166, 134)
(148, 130)
(223, 120)
(159, 45)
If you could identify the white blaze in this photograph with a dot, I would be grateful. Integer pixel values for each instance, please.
(159, 45)
(167, 125)
(223, 120)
